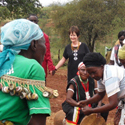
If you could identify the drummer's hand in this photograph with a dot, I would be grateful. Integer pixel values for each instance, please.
(82, 104)
(98, 115)
(87, 110)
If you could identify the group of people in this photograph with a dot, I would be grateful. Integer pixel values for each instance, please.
(109, 77)
(111, 81)
(73, 52)
(27, 47)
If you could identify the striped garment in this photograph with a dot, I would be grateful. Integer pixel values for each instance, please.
(116, 48)
(75, 117)
(113, 81)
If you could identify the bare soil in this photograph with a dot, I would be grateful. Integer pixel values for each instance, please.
(59, 82)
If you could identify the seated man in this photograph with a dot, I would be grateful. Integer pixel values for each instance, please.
(22, 74)
(81, 87)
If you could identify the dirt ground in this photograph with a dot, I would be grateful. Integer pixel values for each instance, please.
(59, 82)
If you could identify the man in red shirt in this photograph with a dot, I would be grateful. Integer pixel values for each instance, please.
(47, 58)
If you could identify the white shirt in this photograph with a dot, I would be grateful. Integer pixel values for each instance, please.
(113, 81)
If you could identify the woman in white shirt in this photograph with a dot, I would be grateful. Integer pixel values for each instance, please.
(111, 81)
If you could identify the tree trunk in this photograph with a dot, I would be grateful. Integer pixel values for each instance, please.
(58, 54)
(90, 48)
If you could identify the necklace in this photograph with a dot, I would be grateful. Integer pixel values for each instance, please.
(75, 48)
(84, 82)
(85, 85)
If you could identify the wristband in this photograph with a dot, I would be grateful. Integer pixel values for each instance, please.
(70, 89)
(95, 88)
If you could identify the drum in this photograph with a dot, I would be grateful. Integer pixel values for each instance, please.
(93, 120)
(59, 117)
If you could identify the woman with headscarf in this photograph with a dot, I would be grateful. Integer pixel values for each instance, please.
(111, 81)
(81, 87)
(22, 77)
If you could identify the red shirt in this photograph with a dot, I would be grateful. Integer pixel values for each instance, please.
(47, 58)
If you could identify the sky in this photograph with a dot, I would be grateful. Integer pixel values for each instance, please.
(48, 2)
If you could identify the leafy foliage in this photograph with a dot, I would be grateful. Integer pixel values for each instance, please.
(19, 8)
(95, 18)
(4, 12)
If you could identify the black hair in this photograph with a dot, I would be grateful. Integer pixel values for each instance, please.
(33, 15)
(121, 33)
(94, 59)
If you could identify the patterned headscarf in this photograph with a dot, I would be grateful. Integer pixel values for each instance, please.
(16, 36)
(80, 65)
(121, 52)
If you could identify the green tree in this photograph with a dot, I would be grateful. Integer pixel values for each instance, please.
(4, 12)
(95, 18)
(19, 8)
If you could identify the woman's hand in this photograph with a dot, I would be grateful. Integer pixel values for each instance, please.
(52, 72)
(82, 103)
(87, 110)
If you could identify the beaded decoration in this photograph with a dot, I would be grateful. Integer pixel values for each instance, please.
(20, 87)
(75, 48)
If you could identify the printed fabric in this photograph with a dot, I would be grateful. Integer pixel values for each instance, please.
(16, 36)
(75, 57)
(17, 110)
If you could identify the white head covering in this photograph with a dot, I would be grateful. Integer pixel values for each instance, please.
(16, 36)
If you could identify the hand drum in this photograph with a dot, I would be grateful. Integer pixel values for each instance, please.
(93, 120)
